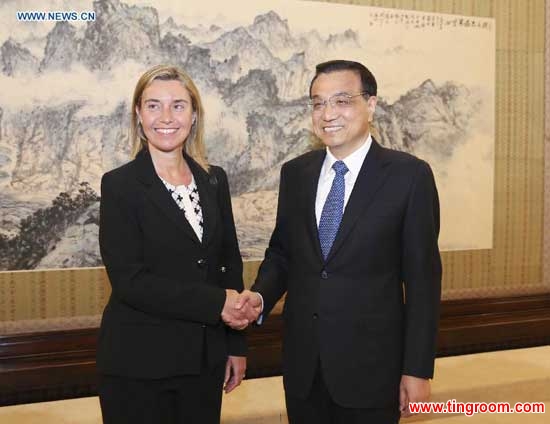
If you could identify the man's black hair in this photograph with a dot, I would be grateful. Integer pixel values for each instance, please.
(368, 82)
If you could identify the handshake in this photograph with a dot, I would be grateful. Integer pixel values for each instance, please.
(240, 309)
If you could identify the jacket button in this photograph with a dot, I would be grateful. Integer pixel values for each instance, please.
(201, 263)
(203, 326)
(223, 269)
(324, 274)
(315, 316)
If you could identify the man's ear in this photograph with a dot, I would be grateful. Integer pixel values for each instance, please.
(371, 104)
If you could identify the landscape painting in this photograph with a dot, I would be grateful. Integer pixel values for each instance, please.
(66, 86)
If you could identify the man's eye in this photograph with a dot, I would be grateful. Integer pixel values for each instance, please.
(152, 106)
(341, 101)
(318, 105)
(179, 107)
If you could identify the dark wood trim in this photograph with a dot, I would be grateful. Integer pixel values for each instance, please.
(61, 364)
(47, 366)
(479, 325)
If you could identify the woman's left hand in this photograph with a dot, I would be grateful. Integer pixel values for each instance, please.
(234, 372)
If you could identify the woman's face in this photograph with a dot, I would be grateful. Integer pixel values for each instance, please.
(166, 115)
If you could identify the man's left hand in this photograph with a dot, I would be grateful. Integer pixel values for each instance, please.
(412, 389)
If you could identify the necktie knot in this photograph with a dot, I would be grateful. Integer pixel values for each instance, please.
(340, 167)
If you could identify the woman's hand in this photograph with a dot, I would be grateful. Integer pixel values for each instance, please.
(234, 372)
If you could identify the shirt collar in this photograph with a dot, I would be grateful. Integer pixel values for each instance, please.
(353, 161)
(173, 187)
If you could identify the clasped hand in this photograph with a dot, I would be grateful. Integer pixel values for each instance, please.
(241, 309)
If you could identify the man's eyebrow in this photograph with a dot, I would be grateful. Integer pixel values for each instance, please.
(335, 94)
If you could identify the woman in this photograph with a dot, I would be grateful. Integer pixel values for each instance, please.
(169, 245)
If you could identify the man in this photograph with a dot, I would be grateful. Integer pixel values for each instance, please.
(355, 249)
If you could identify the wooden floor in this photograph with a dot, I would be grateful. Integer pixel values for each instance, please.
(508, 376)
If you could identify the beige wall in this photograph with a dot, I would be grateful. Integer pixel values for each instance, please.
(514, 265)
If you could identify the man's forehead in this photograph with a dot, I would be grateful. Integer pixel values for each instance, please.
(336, 82)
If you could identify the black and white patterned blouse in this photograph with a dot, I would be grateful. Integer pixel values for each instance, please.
(188, 200)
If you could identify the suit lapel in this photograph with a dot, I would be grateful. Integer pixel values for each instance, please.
(156, 191)
(207, 187)
(371, 177)
(311, 181)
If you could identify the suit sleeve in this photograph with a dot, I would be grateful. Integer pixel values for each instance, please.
(271, 281)
(132, 282)
(421, 274)
(231, 260)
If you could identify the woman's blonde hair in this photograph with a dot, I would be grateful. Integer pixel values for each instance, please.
(194, 144)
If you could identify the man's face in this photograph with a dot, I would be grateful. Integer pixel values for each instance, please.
(343, 125)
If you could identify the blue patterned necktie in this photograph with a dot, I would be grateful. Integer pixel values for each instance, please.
(333, 209)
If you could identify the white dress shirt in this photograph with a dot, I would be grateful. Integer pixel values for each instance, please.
(188, 200)
(354, 162)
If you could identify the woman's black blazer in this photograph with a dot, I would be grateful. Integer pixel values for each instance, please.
(168, 288)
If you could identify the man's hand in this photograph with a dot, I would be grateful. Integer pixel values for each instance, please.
(241, 309)
(235, 369)
(412, 389)
(251, 305)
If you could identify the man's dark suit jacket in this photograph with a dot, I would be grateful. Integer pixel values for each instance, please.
(370, 311)
(168, 288)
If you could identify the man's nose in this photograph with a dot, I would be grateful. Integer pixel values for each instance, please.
(329, 112)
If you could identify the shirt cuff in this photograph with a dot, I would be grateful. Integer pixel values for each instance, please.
(261, 316)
